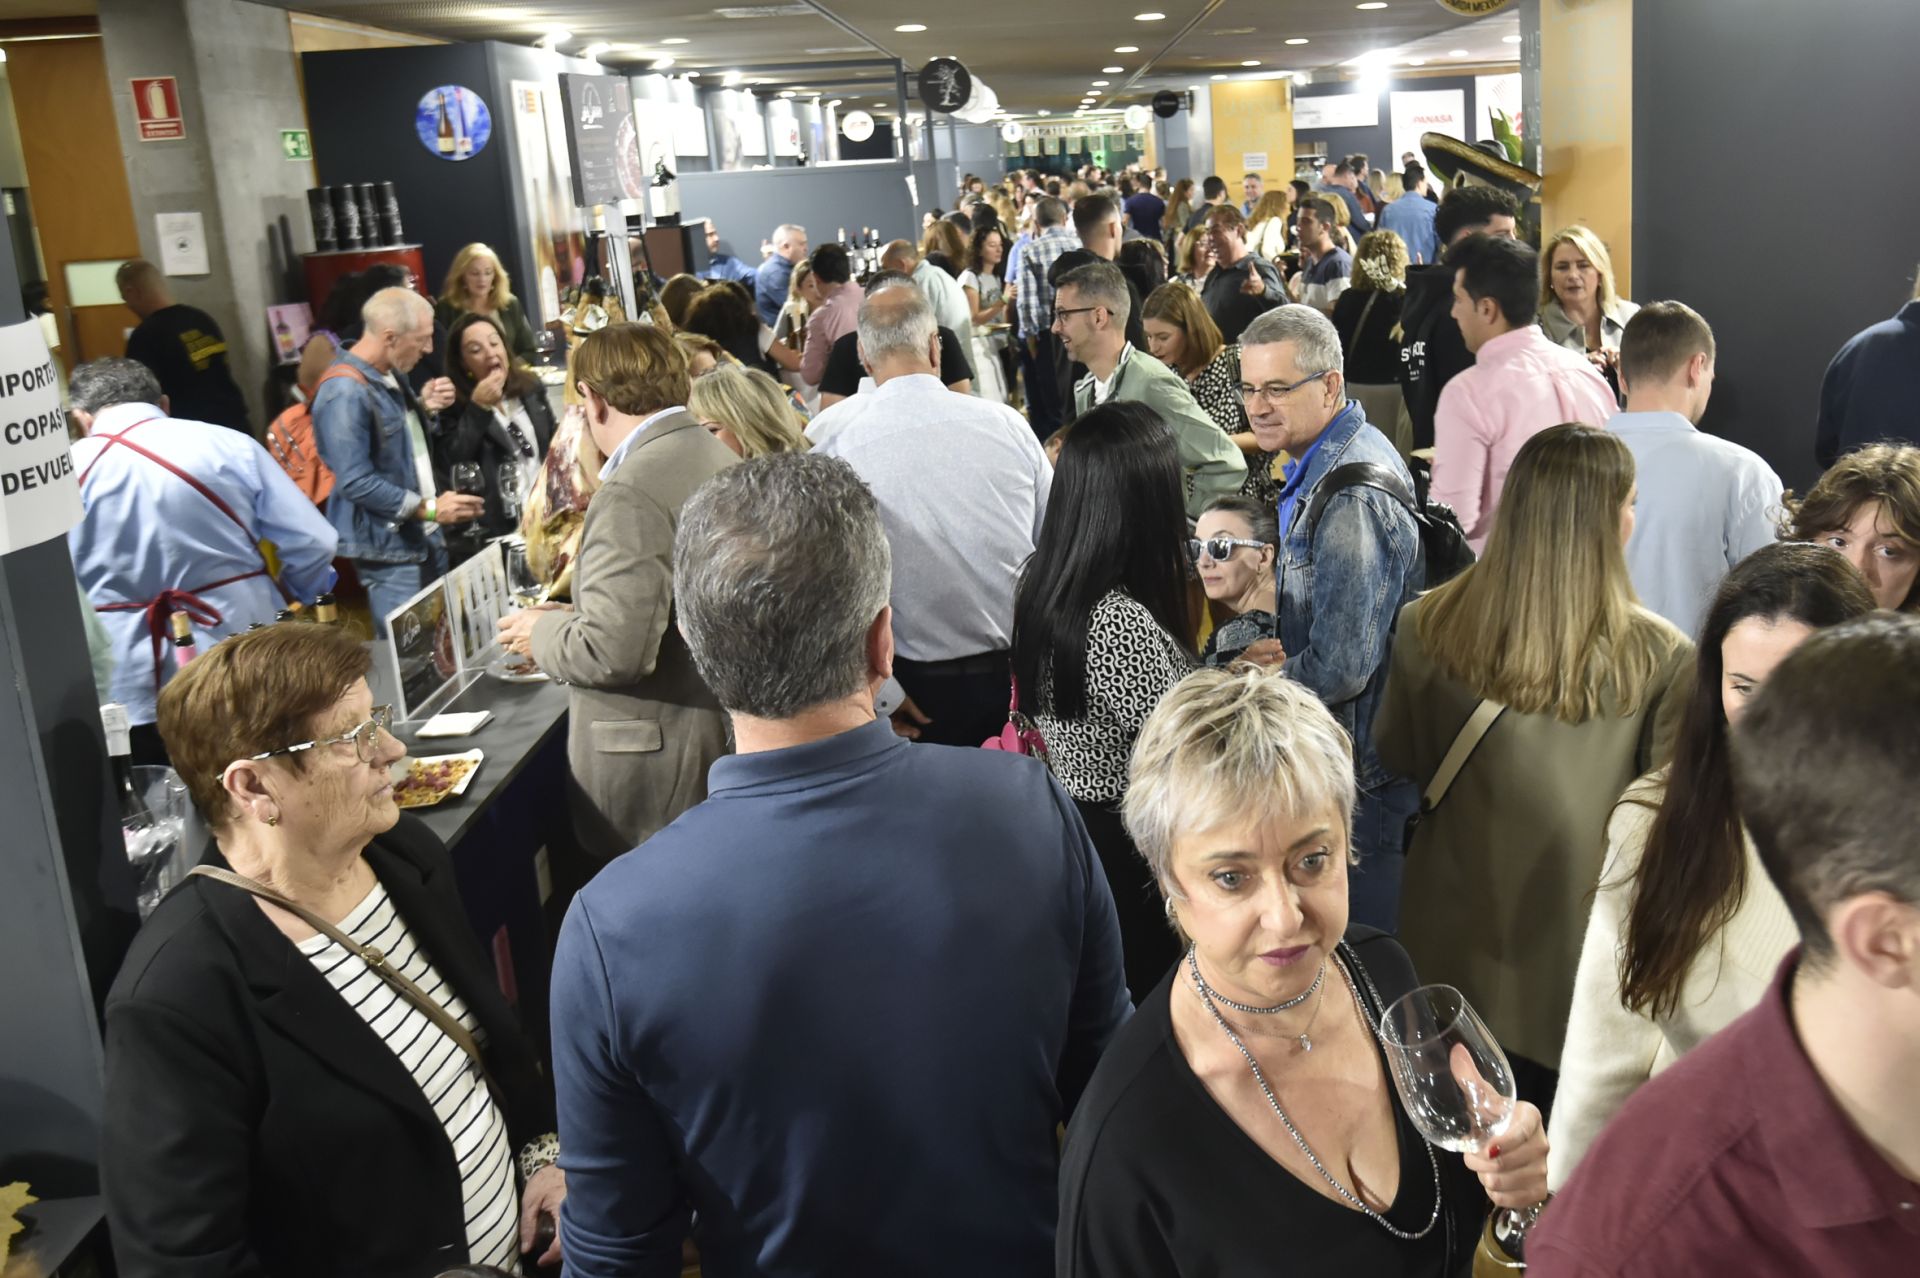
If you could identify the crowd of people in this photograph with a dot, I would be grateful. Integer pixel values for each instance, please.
(1363, 607)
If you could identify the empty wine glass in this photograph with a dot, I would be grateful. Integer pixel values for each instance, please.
(1455, 1083)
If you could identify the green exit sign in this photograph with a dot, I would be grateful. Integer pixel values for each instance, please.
(296, 144)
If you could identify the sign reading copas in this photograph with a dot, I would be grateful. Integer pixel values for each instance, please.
(1474, 8)
(39, 493)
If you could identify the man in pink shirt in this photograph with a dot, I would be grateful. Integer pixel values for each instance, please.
(1520, 383)
(835, 317)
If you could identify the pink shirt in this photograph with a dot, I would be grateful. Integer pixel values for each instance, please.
(1520, 384)
(835, 318)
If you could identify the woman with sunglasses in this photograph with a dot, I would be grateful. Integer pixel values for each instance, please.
(1234, 546)
(273, 1104)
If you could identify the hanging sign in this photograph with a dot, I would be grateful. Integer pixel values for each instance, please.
(39, 494)
(1166, 104)
(1474, 8)
(452, 122)
(945, 85)
(156, 106)
(857, 125)
(1011, 131)
(1136, 116)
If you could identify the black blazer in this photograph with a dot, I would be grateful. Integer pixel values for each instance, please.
(470, 433)
(255, 1125)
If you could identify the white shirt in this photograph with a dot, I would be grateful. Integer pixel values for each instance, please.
(626, 445)
(949, 301)
(1705, 504)
(962, 487)
(1103, 386)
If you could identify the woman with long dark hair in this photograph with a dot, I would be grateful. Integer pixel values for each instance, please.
(1687, 930)
(1100, 626)
(985, 284)
(500, 418)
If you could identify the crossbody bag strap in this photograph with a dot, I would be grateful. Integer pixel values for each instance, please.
(372, 957)
(1478, 724)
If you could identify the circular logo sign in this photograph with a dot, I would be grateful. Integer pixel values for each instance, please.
(945, 85)
(857, 125)
(1136, 116)
(1011, 132)
(1474, 8)
(1166, 104)
(452, 122)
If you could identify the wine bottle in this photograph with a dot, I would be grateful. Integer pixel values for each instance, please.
(445, 142)
(324, 610)
(183, 649)
(289, 613)
(134, 813)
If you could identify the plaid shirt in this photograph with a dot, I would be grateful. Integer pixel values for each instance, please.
(1036, 295)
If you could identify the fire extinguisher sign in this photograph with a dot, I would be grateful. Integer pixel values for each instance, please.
(156, 105)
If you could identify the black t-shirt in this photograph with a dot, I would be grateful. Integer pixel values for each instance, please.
(844, 371)
(187, 352)
(1156, 1179)
(1432, 351)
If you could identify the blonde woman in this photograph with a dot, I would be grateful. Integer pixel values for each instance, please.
(1193, 258)
(746, 410)
(1367, 316)
(1499, 878)
(1268, 229)
(477, 284)
(1580, 307)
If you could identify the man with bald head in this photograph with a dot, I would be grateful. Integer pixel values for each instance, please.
(962, 487)
(373, 432)
(184, 348)
(942, 291)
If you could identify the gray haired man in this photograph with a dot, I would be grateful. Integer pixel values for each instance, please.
(1344, 577)
(962, 487)
(785, 999)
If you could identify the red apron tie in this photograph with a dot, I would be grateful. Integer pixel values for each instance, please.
(161, 607)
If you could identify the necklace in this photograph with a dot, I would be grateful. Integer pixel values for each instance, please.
(1207, 997)
(1207, 992)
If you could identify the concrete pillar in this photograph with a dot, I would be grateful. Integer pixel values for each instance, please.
(239, 87)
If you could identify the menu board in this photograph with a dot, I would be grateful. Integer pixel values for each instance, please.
(477, 598)
(601, 141)
(423, 651)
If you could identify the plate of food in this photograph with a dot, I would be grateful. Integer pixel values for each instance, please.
(515, 667)
(432, 780)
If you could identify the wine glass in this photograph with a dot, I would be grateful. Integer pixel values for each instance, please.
(1455, 1083)
(522, 582)
(469, 479)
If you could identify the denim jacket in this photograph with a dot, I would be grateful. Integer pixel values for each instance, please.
(362, 434)
(1342, 587)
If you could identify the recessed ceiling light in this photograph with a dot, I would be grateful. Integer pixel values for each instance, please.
(1149, 17)
(1458, 53)
(1043, 111)
(1371, 4)
(787, 93)
(662, 63)
(1127, 48)
(1111, 70)
(1509, 39)
(880, 104)
(1251, 62)
(1216, 77)
(674, 40)
(1416, 62)
(1101, 84)
(911, 27)
(1298, 40)
(730, 79)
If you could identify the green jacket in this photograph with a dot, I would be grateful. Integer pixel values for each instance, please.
(1213, 463)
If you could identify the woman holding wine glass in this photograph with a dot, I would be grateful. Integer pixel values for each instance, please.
(1244, 1120)
(500, 422)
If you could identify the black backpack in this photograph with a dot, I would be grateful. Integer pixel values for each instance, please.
(1442, 539)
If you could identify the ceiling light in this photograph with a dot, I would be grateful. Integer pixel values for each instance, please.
(1216, 77)
(1458, 53)
(1043, 111)
(1251, 62)
(1509, 39)
(1127, 48)
(880, 104)
(555, 38)
(1112, 70)
(911, 27)
(1371, 4)
(1149, 17)
(1416, 62)
(1298, 40)
(730, 79)
(787, 93)
(1101, 84)
(662, 63)
(836, 102)
(674, 40)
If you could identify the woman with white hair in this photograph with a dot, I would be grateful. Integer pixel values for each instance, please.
(1243, 1120)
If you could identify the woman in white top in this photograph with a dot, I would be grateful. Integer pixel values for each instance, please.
(1269, 229)
(1687, 930)
(988, 298)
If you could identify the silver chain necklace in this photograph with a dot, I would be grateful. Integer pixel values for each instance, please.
(1304, 1037)
(1207, 997)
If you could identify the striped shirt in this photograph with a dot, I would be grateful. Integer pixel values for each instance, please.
(449, 1080)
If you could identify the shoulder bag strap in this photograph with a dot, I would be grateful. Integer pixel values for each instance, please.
(372, 957)
(1478, 724)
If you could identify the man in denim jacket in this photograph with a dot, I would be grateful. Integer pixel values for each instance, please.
(1342, 583)
(373, 433)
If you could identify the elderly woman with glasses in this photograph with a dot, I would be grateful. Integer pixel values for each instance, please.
(1243, 1120)
(278, 1101)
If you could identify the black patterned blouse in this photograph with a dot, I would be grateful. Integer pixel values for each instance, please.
(1217, 387)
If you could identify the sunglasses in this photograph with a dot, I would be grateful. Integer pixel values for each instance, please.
(1218, 549)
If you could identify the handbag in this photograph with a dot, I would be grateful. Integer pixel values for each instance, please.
(375, 960)
(1020, 735)
(1471, 733)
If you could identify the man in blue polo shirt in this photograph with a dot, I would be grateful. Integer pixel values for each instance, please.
(1872, 387)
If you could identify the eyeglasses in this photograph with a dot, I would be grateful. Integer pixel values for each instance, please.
(1218, 549)
(365, 738)
(1062, 312)
(1274, 392)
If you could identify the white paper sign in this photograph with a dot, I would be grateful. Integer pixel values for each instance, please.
(1427, 111)
(39, 493)
(1337, 111)
(183, 243)
(786, 135)
(1253, 161)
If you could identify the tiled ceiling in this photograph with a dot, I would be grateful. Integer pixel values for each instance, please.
(1036, 56)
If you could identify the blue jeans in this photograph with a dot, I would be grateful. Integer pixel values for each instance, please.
(391, 585)
(1379, 839)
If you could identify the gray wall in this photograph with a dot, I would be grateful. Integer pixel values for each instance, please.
(747, 206)
(1729, 114)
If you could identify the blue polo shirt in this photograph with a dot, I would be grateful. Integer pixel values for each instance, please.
(1872, 388)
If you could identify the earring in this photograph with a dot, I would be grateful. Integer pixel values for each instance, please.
(272, 821)
(1168, 901)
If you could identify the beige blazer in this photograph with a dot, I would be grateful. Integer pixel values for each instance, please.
(643, 728)
(1499, 881)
